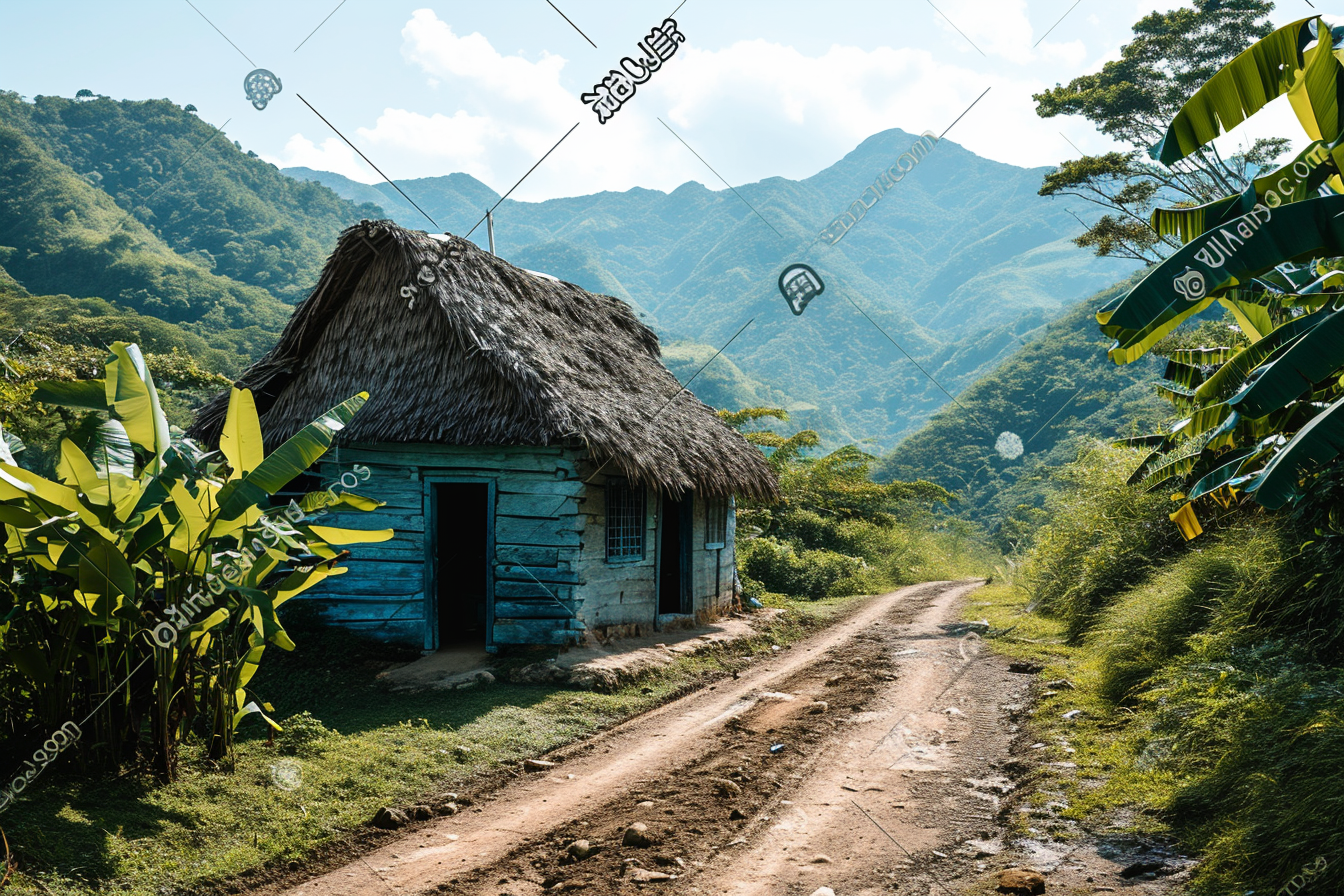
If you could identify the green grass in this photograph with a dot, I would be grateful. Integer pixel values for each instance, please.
(75, 836)
(1110, 788)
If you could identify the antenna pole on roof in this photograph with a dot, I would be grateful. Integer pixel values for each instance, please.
(490, 229)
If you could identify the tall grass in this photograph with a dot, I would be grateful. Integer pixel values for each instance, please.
(1225, 654)
(1102, 537)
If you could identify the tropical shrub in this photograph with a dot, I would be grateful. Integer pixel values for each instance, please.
(1102, 537)
(139, 588)
(1263, 417)
(835, 530)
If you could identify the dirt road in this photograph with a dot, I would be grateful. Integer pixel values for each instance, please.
(759, 784)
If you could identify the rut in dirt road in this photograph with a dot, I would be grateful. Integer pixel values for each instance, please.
(750, 786)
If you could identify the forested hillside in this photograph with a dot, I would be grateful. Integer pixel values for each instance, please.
(133, 202)
(1057, 393)
(224, 209)
(956, 263)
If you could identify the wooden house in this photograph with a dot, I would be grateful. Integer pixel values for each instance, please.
(544, 472)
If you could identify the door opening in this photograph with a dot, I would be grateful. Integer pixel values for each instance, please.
(462, 553)
(672, 556)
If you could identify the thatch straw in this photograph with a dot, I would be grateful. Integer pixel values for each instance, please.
(489, 355)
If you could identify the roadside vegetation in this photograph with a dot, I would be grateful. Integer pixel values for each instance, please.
(836, 531)
(1209, 673)
(349, 748)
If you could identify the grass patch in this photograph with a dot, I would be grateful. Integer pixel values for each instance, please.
(282, 802)
(1111, 787)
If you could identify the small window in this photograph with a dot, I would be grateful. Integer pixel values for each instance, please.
(716, 522)
(625, 520)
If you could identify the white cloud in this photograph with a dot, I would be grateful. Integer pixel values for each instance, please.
(1003, 29)
(332, 155)
(753, 109)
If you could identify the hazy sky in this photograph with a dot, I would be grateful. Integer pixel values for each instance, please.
(760, 88)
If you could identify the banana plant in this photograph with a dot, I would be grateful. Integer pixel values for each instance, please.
(1262, 418)
(153, 570)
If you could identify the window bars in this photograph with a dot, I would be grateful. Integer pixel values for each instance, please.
(625, 520)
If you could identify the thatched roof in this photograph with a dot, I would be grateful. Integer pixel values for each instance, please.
(487, 354)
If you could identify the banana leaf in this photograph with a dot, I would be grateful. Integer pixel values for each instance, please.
(1317, 443)
(1268, 69)
(1253, 319)
(1180, 397)
(1228, 257)
(88, 395)
(1226, 380)
(288, 461)
(1157, 440)
(1186, 375)
(1174, 466)
(134, 400)
(10, 445)
(1293, 372)
(1202, 357)
(240, 441)
(1130, 345)
(1276, 188)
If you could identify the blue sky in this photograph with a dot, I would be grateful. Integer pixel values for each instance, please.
(760, 89)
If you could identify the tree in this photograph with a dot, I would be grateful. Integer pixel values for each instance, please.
(1264, 416)
(1132, 99)
(84, 94)
(150, 571)
(189, 107)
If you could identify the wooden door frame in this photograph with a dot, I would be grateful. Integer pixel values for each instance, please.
(687, 526)
(431, 563)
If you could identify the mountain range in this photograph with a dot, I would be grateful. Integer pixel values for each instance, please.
(144, 205)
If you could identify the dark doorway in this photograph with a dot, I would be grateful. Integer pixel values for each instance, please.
(672, 556)
(462, 552)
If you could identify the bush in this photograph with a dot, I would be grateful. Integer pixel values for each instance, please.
(1258, 737)
(1103, 536)
(811, 573)
(1150, 625)
(302, 734)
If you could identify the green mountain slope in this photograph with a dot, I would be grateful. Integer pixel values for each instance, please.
(58, 235)
(957, 262)
(1054, 392)
(232, 214)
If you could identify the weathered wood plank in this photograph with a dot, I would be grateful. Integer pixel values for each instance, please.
(536, 506)
(542, 485)
(550, 575)
(382, 518)
(367, 610)
(532, 591)
(387, 579)
(542, 533)
(529, 609)
(528, 556)
(533, 631)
